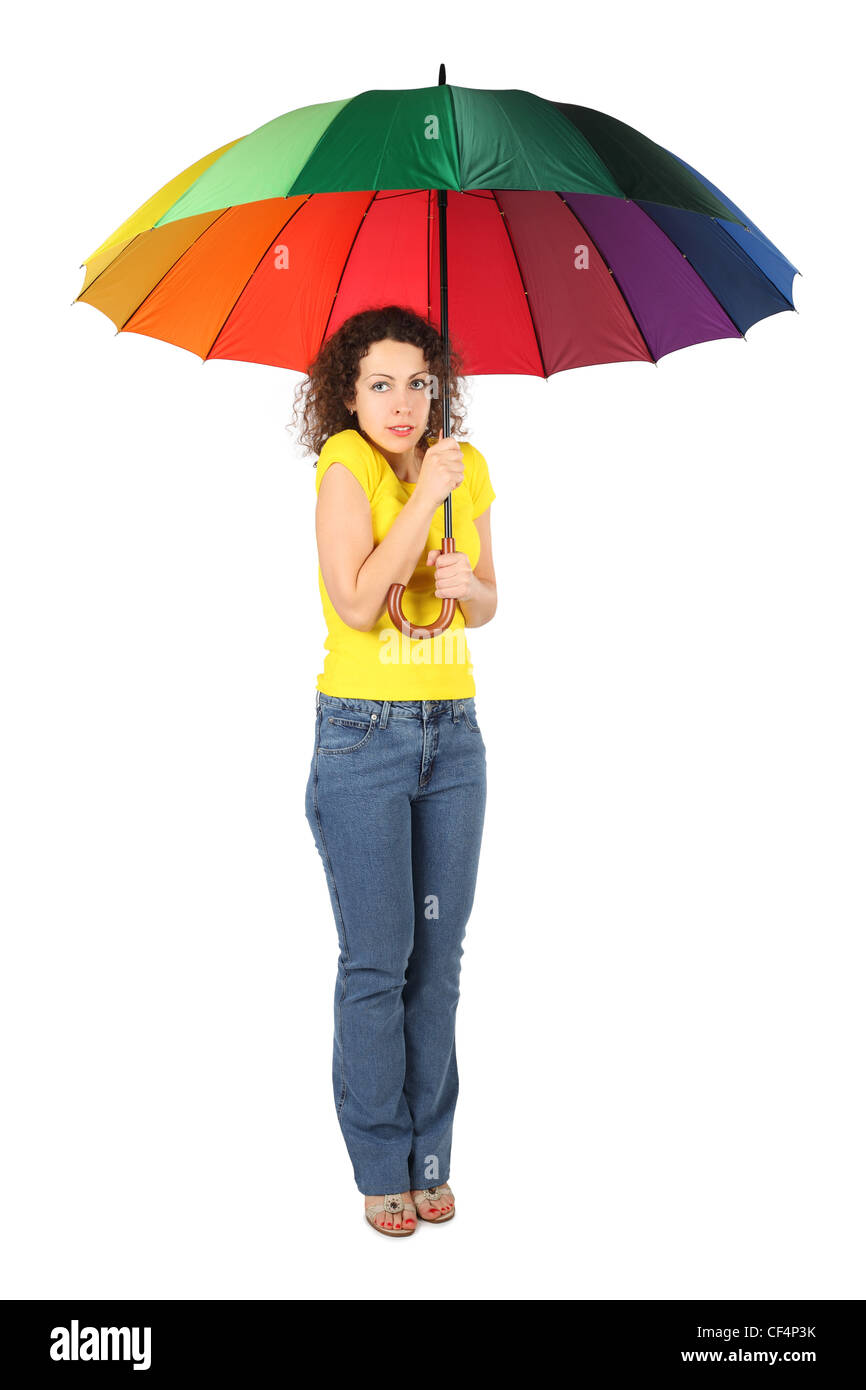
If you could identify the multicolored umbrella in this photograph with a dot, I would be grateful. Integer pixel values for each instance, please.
(551, 236)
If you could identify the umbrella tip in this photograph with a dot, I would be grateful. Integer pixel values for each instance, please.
(441, 74)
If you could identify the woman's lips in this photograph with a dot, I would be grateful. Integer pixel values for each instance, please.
(402, 430)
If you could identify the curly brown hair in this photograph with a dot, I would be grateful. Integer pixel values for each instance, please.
(332, 378)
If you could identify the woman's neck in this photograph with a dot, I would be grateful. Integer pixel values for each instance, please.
(414, 464)
(415, 467)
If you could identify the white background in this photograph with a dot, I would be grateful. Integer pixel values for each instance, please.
(660, 1030)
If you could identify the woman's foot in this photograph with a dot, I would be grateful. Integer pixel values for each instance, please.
(390, 1220)
(434, 1203)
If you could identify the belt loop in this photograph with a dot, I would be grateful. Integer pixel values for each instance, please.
(383, 722)
(318, 699)
(454, 718)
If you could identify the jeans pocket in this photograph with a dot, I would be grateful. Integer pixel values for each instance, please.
(340, 734)
(470, 717)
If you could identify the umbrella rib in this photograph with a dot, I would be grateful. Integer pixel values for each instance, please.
(456, 137)
(523, 283)
(361, 221)
(186, 252)
(677, 248)
(252, 273)
(384, 142)
(517, 141)
(128, 247)
(610, 271)
(770, 282)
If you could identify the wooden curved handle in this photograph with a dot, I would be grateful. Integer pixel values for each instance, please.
(446, 612)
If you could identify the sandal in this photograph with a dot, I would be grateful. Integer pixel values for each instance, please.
(432, 1195)
(392, 1202)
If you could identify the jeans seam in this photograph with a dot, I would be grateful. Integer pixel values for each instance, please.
(345, 941)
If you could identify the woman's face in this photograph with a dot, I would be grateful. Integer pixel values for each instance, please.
(392, 389)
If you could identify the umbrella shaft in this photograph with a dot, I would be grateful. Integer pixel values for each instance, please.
(443, 319)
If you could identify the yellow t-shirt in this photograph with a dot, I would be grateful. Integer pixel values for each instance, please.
(382, 664)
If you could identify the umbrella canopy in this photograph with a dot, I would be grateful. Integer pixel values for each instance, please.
(550, 235)
(572, 238)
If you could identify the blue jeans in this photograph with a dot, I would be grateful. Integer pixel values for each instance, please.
(395, 800)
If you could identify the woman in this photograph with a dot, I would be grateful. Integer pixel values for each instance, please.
(397, 786)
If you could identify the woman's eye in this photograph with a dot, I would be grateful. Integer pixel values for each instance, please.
(417, 382)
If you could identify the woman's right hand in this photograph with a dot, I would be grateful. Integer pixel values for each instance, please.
(441, 471)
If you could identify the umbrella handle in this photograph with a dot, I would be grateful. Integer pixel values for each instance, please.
(446, 612)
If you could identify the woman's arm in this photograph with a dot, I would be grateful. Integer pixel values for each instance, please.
(480, 605)
(357, 574)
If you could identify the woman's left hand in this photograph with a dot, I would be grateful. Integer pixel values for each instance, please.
(455, 577)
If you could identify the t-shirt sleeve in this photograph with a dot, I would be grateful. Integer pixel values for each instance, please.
(478, 478)
(347, 447)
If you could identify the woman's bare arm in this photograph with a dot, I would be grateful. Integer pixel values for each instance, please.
(358, 574)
